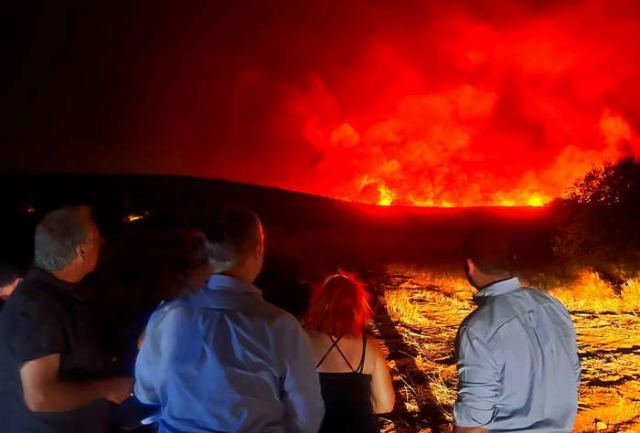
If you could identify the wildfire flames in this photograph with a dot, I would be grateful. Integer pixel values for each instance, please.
(420, 102)
(466, 109)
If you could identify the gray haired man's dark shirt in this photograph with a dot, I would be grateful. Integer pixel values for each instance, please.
(43, 317)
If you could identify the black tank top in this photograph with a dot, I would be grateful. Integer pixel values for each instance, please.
(347, 397)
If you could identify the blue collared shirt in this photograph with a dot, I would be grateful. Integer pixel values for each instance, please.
(225, 360)
(518, 364)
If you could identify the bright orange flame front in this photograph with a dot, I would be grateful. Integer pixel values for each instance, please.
(386, 196)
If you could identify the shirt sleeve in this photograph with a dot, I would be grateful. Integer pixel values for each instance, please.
(38, 329)
(147, 382)
(479, 382)
(302, 397)
(572, 343)
(573, 350)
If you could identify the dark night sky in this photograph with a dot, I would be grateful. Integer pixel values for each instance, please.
(261, 91)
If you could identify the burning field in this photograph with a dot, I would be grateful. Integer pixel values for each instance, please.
(419, 313)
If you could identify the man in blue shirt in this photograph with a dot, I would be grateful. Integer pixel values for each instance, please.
(518, 366)
(223, 359)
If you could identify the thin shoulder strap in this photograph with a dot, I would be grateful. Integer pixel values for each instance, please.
(334, 343)
(360, 368)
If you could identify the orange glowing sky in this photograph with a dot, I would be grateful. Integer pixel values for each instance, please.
(428, 103)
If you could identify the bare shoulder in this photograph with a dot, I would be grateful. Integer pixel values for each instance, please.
(373, 345)
(375, 355)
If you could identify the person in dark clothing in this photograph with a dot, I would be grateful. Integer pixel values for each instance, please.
(147, 267)
(354, 376)
(49, 366)
(282, 285)
(10, 277)
(183, 266)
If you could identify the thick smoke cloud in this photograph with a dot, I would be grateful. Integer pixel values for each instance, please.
(474, 109)
(468, 103)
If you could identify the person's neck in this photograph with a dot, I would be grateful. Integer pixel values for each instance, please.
(490, 281)
(239, 274)
(68, 275)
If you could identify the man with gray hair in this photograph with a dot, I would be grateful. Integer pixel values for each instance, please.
(48, 361)
(223, 359)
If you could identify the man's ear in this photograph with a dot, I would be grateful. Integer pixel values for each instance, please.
(81, 252)
(471, 266)
(259, 252)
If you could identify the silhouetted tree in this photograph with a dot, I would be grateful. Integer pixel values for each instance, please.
(599, 220)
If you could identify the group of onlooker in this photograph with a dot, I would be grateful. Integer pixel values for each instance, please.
(216, 357)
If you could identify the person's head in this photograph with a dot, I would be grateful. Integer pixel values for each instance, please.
(488, 256)
(339, 306)
(67, 243)
(236, 242)
(10, 277)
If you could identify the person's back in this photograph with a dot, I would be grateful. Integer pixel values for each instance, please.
(223, 359)
(530, 337)
(518, 364)
(215, 361)
(346, 377)
(354, 377)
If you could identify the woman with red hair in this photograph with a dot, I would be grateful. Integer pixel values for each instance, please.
(354, 376)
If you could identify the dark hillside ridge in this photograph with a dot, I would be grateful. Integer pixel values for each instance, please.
(318, 232)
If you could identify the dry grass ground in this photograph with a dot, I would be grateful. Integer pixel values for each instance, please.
(418, 317)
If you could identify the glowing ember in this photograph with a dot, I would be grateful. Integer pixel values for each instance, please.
(131, 218)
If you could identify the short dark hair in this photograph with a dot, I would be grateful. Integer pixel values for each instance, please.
(233, 233)
(491, 249)
(58, 235)
(177, 254)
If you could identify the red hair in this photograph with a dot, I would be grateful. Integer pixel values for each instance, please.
(340, 306)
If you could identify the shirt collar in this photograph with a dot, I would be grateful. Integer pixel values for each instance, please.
(226, 283)
(499, 288)
(48, 278)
